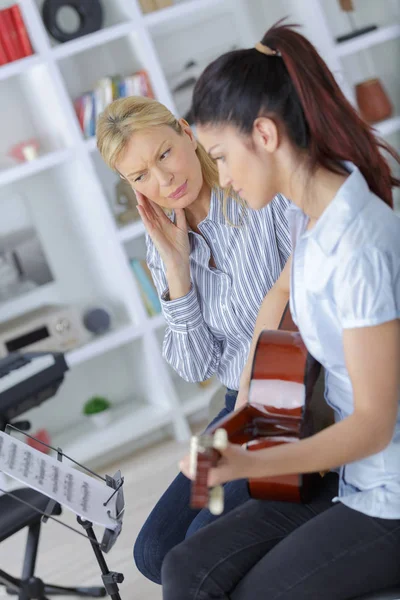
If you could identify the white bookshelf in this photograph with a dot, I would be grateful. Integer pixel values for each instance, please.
(368, 40)
(67, 190)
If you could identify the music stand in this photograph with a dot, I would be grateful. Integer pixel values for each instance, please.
(111, 579)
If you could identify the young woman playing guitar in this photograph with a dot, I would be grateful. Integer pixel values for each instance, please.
(275, 120)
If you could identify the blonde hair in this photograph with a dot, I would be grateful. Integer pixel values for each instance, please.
(125, 116)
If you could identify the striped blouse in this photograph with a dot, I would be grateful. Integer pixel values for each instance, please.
(209, 331)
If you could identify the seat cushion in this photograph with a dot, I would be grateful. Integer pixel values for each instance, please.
(14, 515)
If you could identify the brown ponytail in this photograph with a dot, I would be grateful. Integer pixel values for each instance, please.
(300, 90)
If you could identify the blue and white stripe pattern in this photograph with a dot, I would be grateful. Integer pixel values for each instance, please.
(209, 331)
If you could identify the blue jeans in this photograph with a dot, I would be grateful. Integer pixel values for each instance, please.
(172, 520)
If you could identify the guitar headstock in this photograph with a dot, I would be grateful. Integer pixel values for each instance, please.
(204, 455)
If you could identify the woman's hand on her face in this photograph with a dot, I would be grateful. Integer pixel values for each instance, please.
(235, 463)
(171, 239)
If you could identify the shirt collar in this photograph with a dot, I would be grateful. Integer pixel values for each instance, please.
(233, 210)
(351, 197)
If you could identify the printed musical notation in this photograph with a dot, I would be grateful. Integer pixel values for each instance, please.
(84, 495)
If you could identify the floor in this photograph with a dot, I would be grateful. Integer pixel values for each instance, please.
(66, 559)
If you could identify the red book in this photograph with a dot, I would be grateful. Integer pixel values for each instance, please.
(7, 35)
(14, 33)
(20, 28)
(3, 56)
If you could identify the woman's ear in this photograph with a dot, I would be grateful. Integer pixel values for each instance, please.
(188, 131)
(265, 134)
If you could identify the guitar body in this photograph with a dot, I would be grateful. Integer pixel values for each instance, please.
(283, 379)
(279, 410)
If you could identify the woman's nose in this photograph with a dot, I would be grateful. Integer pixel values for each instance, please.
(224, 179)
(164, 178)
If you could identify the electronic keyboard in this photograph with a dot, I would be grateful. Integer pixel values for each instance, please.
(27, 380)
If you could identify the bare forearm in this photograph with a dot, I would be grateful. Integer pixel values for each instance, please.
(349, 440)
(269, 317)
(178, 278)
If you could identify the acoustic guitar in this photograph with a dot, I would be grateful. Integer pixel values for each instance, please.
(279, 411)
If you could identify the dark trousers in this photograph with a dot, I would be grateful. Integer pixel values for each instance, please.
(267, 550)
(172, 520)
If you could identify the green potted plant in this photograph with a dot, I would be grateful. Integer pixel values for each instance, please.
(97, 409)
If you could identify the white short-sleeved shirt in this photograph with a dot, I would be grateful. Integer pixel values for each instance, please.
(346, 274)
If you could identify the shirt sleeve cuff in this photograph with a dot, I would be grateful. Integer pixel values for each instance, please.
(183, 313)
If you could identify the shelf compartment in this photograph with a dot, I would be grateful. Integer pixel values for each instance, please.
(198, 400)
(388, 127)
(109, 180)
(115, 13)
(363, 42)
(18, 67)
(128, 375)
(174, 45)
(129, 423)
(91, 144)
(81, 44)
(27, 116)
(180, 13)
(54, 199)
(157, 322)
(45, 294)
(193, 397)
(42, 163)
(122, 56)
(102, 344)
(363, 65)
(131, 231)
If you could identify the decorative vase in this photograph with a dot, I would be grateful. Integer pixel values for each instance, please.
(373, 102)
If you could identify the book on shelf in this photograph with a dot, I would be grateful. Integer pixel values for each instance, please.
(14, 39)
(148, 6)
(163, 3)
(91, 104)
(146, 286)
(152, 5)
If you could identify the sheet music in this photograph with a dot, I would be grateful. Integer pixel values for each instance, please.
(73, 489)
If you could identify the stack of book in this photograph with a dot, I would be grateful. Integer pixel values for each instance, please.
(146, 286)
(14, 39)
(152, 5)
(89, 106)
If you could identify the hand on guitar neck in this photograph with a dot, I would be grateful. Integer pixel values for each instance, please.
(205, 453)
(208, 451)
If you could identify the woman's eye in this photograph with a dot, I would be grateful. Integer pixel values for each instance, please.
(221, 158)
(139, 179)
(165, 154)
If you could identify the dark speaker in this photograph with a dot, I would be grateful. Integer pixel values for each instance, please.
(97, 320)
(89, 13)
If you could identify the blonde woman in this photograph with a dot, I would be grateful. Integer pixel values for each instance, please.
(212, 262)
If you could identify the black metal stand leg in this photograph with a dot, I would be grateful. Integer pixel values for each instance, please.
(90, 592)
(28, 570)
(10, 582)
(32, 544)
(110, 578)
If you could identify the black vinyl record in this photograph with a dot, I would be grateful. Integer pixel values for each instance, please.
(89, 13)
